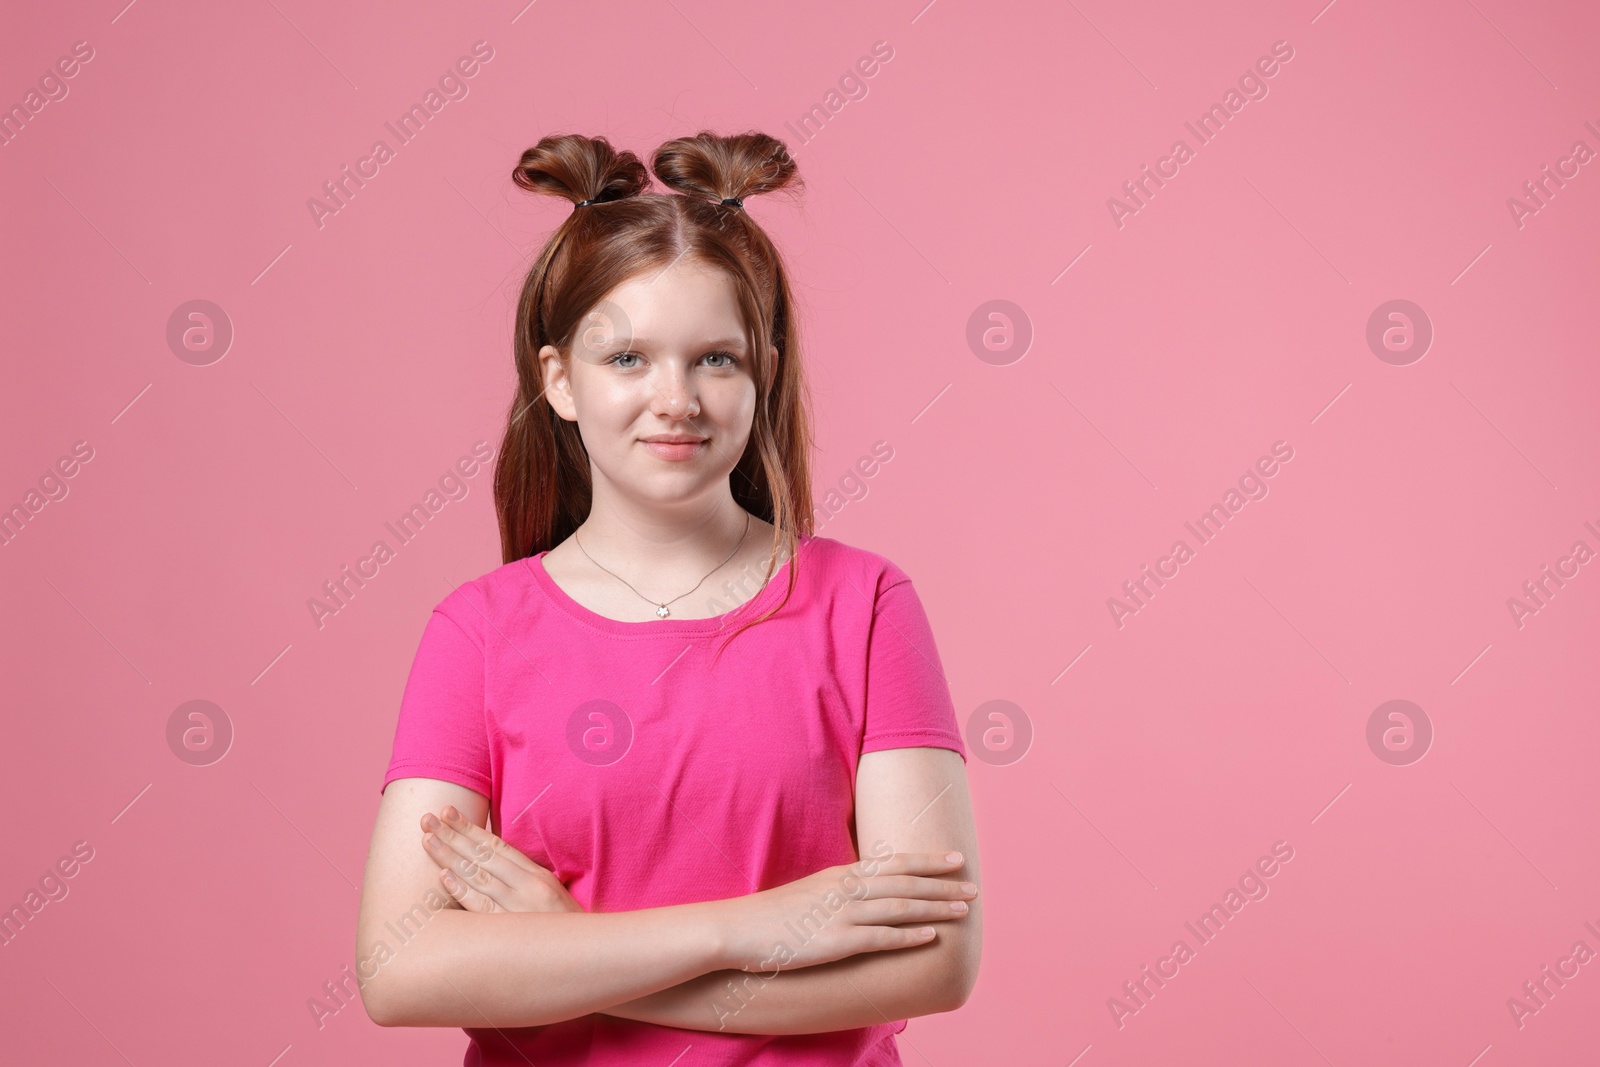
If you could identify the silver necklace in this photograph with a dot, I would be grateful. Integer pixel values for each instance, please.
(661, 609)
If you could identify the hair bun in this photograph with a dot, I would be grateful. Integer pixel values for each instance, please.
(714, 167)
(580, 168)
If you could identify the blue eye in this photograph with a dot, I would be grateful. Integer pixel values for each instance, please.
(729, 356)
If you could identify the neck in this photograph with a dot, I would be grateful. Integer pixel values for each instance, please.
(633, 538)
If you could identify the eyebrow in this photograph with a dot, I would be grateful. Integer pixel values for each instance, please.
(721, 342)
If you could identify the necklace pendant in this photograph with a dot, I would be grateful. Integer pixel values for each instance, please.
(661, 612)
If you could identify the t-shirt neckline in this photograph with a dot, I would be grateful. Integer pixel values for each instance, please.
(657, 627)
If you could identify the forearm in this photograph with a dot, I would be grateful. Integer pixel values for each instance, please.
(530, 969)
(861, 990)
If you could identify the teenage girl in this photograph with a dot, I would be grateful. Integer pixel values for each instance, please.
(688, 778)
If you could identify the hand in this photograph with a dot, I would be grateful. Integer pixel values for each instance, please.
(484, 873)
(843, 910)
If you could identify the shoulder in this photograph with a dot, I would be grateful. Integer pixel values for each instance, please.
(486, 603)
(871, 573)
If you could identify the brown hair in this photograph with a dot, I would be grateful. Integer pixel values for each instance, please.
(542, 490)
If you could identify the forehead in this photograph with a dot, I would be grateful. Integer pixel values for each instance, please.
(685, 303)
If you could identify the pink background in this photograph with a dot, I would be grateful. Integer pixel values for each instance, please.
(1229, 313)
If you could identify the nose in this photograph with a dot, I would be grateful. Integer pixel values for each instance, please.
(674, 395)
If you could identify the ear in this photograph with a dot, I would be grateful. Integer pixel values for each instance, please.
(772, 369)
(553, 373)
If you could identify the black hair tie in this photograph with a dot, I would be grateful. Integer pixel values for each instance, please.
(734, 200)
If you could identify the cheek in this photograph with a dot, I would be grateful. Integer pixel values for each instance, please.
(608, 408)
(731, 404)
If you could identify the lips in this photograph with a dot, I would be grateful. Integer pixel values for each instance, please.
(676, 447)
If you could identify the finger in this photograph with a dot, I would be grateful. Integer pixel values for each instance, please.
(469, 898)
(897, 910)
(919, 863)
(905, 885)
(887, 938)
(481, 846)
(475, 853)
(482, 837)
(474, 874)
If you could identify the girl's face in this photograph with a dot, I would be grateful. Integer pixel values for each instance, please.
(660, 383)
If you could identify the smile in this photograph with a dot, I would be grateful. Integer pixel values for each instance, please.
(676, 450)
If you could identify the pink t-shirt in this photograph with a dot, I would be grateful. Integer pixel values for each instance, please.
(620, 757)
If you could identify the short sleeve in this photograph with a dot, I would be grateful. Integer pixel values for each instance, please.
(908, 698)
(441, 732)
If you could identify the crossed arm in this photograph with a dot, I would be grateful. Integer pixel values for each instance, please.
(660, 965)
